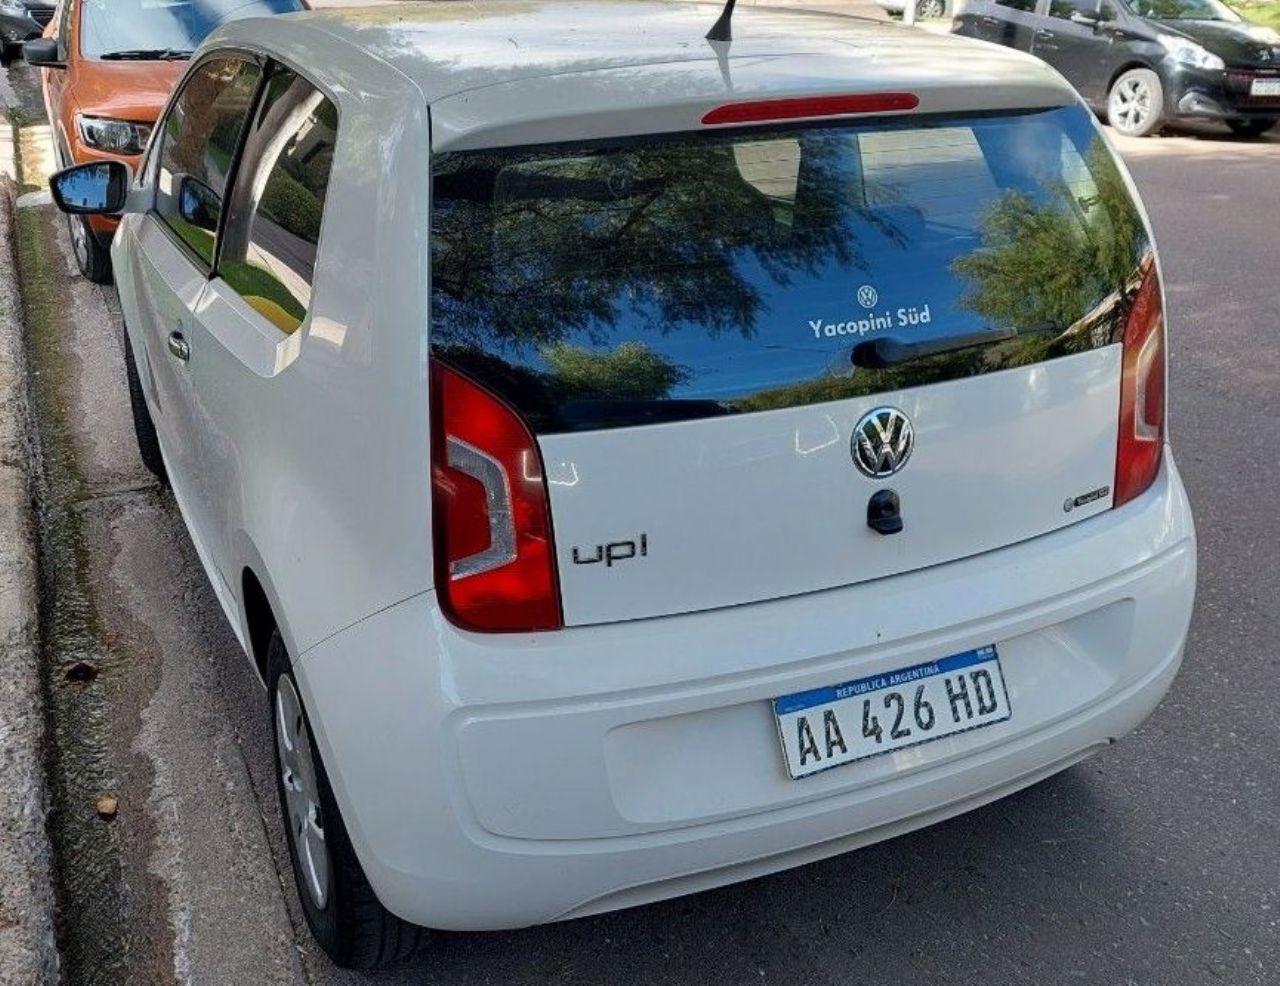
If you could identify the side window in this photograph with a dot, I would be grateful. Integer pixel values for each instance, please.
(1026, 6)
(273, 223)
(200, 136)
(1063, 9)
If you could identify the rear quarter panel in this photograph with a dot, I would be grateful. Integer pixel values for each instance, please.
(327, 486)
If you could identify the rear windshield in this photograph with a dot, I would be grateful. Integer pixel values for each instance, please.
(604, 285)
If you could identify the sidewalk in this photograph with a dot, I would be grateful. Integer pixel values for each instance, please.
(28, 956)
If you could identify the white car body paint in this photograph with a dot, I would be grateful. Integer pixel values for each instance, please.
(764, 479)
(501, 780)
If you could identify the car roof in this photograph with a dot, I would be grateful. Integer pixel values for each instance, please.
(492, 65)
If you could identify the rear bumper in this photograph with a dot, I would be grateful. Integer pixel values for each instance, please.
(1196, 94)
(494, 782)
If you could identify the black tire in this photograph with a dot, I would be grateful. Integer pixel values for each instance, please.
(352, 926)
(1251, 128)
(931, 8)
(144, 429)
(93, 257)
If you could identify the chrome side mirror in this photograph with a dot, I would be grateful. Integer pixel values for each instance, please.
(94, 189)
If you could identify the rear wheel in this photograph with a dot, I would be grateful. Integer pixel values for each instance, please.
(1135, 106)
(1251, 128)
(92, 257)
(930, 8)
(341, 909)
(144, 427)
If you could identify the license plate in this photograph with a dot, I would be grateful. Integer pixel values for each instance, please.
(827, 727)
(1265, 87)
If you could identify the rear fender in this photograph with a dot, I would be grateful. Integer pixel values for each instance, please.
(249, 558)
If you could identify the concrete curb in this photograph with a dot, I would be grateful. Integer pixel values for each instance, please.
(28, 952)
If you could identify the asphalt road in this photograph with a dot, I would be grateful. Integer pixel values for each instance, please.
(1155, 863)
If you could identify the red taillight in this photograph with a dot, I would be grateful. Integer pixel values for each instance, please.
(1141, 393)
(809, 107)
(495, 560)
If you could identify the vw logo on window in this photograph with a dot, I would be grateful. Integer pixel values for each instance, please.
(882, 442)
(868, 297)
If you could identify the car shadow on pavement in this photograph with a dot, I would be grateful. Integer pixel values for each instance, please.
(966, 881)
(1201, 140)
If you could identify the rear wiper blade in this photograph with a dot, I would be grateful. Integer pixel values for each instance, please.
(148, 55)
(876, 354)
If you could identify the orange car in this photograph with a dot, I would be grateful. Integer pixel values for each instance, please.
(108, 67)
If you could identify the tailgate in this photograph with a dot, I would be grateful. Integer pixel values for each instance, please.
(728, 344)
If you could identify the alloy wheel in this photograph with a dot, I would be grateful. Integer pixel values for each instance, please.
(297, 766)
(1131, 105)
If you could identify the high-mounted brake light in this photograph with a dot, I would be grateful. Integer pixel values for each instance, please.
(495, 560)
(810, 107)
(1141, 443)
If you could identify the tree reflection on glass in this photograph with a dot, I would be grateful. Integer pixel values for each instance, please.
(723, 273)
(631, 372)
(1046, 260)
(535, 251)
(89, 187)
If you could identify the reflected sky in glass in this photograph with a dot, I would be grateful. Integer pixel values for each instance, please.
(86, 188)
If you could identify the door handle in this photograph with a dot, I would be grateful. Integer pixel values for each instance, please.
(179, 347)
(990, 21)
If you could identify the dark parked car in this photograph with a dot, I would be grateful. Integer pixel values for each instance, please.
(20, 20)
(1146, 62)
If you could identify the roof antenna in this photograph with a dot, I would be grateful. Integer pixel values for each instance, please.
(722, 29)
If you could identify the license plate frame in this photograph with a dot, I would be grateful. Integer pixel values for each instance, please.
(929, 703)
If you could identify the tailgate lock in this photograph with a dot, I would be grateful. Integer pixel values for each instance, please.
(884, 512)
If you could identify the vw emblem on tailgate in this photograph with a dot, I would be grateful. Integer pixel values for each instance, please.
(882, 442)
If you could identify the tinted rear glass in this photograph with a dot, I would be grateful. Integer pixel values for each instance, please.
(605, 285)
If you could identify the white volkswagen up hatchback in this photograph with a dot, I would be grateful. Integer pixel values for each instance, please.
(636, 463)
